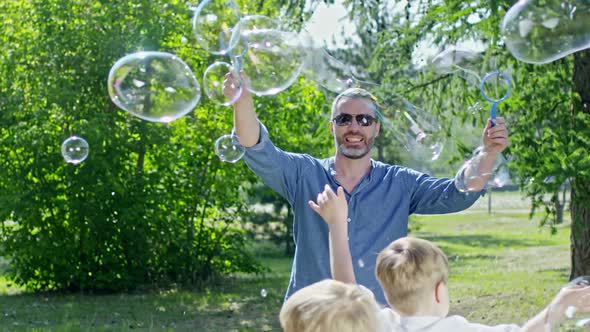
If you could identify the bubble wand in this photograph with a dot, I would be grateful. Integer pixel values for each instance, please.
(495, 74)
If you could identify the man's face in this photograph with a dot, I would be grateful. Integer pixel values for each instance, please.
(353, 139)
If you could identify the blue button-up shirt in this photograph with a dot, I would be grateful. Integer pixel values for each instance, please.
(378, 208)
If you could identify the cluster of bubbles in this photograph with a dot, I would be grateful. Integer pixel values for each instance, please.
(469, 64)
(475, 108)
(160, 87)
(542, 32)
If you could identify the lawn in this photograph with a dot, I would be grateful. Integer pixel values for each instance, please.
(504, 268)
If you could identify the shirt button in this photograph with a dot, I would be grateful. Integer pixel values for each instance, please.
(348, 219)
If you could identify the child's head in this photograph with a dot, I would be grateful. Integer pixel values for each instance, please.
(410, 271)
(330, 305)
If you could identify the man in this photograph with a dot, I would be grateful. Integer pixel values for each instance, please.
(380, 196)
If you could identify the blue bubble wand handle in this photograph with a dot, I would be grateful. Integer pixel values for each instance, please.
(493, 113)
(495, 102)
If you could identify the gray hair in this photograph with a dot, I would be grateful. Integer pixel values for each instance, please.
(357, 93)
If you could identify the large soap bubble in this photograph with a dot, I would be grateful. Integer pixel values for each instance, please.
(498, 176)
(542, 32)
(327, 71)
(155, 86)
(213, 22)
(273, 61)
(464, 62)
(254, 23)
(247, 25)
(213, 79)
(419, 132)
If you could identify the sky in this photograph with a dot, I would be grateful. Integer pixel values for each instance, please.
(329, 21)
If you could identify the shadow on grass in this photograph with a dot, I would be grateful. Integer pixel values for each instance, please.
(237, 303)
(487, 241)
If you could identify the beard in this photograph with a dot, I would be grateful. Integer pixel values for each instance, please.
(355, 152)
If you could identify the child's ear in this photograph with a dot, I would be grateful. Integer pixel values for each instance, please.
(437, 291)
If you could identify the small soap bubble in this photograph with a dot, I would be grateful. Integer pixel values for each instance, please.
(229, 149)
(501, 176)
(361, 263)
(74, 150)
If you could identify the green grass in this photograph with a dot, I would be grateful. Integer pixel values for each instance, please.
(234, 304)
(504, 268)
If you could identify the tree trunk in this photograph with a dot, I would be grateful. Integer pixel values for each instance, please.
(580, 230)
(580, 186)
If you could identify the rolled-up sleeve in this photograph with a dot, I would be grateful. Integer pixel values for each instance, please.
(432, 195)
(278, 169)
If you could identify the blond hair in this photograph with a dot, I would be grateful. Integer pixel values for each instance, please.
(330, 305)
(357, 93)
(409, 270)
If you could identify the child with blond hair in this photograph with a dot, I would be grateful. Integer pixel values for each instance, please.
(413, 274)
(330, 306)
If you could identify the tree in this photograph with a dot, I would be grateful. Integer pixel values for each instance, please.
(152, 204)
(580, 210)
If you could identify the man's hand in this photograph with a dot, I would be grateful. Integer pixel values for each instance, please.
(495, 139)
(232, 86)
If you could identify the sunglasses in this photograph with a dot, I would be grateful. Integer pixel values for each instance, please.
(344, 119)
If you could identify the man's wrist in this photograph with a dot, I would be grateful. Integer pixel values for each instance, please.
(487, 152)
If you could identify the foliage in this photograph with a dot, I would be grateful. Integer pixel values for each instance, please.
(152, 203)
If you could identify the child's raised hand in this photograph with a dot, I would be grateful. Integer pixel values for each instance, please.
(331, 206)
(577, 297)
